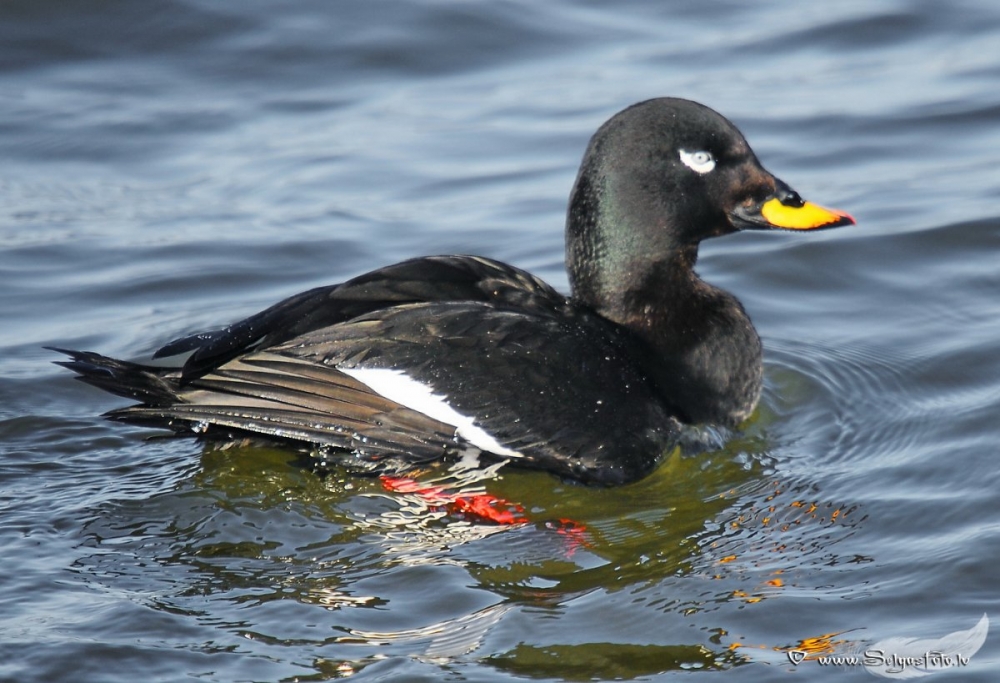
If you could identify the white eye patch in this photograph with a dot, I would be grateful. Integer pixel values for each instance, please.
(699, 162)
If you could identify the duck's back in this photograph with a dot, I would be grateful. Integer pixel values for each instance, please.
(513, 371)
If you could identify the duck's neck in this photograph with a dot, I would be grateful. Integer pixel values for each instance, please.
(700, 347)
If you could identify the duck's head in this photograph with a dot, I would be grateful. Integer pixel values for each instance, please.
(658, 178)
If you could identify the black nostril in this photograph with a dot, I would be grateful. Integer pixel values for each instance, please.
(788, 197)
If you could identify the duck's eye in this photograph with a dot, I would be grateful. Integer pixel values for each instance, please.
(699, 162)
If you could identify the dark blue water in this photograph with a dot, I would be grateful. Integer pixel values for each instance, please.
(169, 167)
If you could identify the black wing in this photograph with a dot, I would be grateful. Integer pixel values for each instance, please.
(551, 383)
(276, 396)
(557, 387)
(428, 279)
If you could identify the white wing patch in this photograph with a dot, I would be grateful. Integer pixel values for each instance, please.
(397, 386)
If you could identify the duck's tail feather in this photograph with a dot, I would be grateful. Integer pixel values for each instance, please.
(151, 385)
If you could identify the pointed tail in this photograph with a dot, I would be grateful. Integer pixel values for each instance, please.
(150, 385)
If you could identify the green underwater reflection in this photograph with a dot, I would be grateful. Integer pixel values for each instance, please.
(610, 661)
(265, 553)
